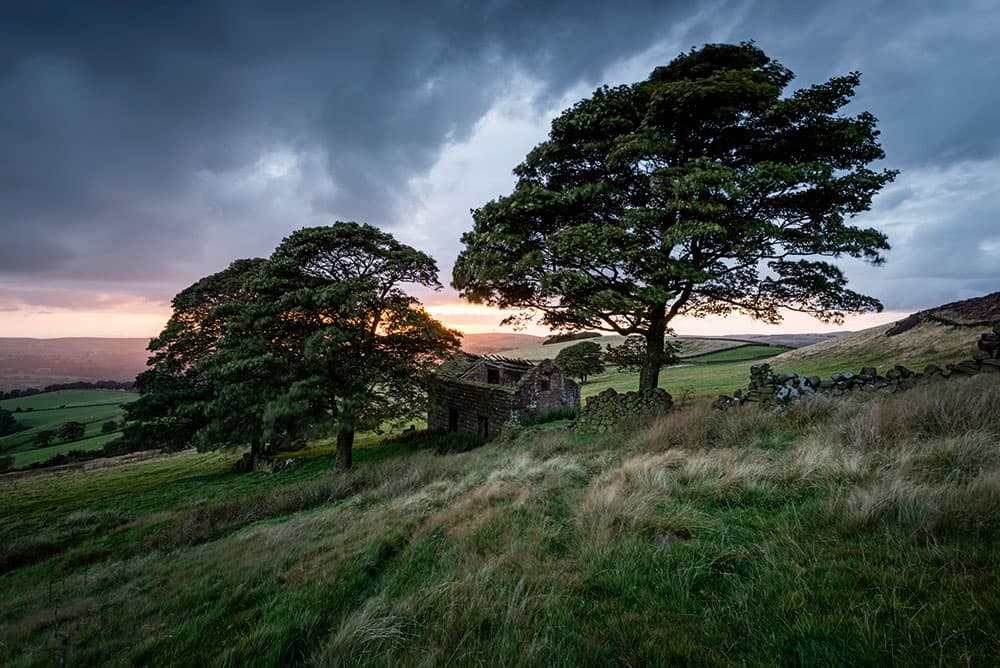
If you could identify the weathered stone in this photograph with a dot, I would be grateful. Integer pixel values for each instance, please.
(478, 394)
(612, 410)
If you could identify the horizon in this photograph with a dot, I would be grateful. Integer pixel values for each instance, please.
(853, 324)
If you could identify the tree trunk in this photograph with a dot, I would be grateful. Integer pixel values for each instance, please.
(649, 375)
(253, 459)
(345, 441)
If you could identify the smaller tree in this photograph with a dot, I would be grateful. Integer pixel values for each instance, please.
(580, 360)
(8, 424)
(630, 354)
(109, 426)
(44, 438)
(71, 431)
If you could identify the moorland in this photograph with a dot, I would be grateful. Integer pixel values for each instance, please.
(858, 531)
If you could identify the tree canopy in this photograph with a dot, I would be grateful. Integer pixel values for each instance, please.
(318, 339)
(580, 360)
(8, 424)
(702, 190)
(630, 354)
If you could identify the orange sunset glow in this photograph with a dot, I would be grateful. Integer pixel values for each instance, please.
(145, 319)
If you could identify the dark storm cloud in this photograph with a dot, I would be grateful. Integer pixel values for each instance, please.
(136, 138)
(115, 112)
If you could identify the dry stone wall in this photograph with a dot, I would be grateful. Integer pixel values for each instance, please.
(770, 388)
(609, 410)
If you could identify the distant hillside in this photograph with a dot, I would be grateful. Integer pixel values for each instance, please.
(976, 312)
(691, 346)
(479, 344)
(940, 335)
(39, 362)
(789, 340)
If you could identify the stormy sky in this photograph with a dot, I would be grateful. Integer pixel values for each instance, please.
(144, 145)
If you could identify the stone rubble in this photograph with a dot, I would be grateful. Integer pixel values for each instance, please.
(609, 410)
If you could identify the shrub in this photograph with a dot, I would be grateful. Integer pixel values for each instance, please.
(552, 415)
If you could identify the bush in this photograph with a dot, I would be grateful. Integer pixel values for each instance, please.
(551, 415)
(71, 431)
(9, 425)
(577, 336)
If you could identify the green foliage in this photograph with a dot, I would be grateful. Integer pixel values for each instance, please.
(8, 424)
(44, 437)
(702, 190)
(320, 338)
(109, 426)
(6, 463)
(170, 410)
(630, 354)
(580, 360)
(570, 336)
(71, 431)
(552, 415)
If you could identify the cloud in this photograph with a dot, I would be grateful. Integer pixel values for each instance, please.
(151, 145)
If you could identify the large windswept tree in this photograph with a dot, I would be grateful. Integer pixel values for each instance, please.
(703, 190)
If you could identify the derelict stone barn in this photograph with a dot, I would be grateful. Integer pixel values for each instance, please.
(478, 394)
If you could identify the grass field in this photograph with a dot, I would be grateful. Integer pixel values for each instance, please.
(50, 410)
(844, 533)
(708, 375)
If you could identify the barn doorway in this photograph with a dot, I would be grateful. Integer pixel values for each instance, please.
(484, 426)
(452, 420)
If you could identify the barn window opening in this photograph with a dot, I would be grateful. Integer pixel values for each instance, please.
(484, 426)
(493, 376)
(452, 419)
(546, 384)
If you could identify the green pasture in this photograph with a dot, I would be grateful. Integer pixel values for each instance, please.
(712, 374)
(50, 410)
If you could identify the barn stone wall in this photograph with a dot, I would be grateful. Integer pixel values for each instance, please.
(463, 404)
(532, 399)
(471, 402)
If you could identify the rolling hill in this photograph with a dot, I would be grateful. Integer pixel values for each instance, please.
(941, 335)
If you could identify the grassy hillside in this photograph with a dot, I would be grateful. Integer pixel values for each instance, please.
(53, 409)
(709, 375)
(927, 342)
(690, 346)
(845, 533)
(478, 344)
